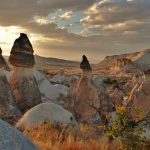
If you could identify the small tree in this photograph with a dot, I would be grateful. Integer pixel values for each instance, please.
(127, 129)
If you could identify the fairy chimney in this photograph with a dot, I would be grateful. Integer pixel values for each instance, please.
(8, 107)
(86, 100)
(23, 83)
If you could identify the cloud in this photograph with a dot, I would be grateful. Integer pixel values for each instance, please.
(107, 26)
(18, 12)
(67, 15)
(116, 11)
(126, 21)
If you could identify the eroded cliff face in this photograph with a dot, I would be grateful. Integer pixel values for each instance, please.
(140, 95)
(140, 60)
(125, 65)
(8, 108)
(22, 82)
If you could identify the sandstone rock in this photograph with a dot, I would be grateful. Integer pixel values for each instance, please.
(89, 96)
(125, 65)
(103, 96)
(22, 53)
(140, 95)
(8, 107)
(23, 83)
(116, 97)
(2, 60)
(3, 63)
(48, 112)
(12, 139)
(131, 83)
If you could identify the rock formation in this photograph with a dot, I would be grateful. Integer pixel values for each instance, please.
(2, 61)
(8, 107)
(131, 83)
(140, 95)
(12, 139)
(116, 97)
(48, 112)
(124, 66)
(22, 82)
(87, 103)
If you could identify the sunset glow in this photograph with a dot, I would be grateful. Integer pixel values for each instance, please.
(68, 29)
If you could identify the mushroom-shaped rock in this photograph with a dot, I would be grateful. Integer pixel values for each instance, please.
(48, 112)
(12, 139)
(8, 107)
(23, 83)
(87, 98)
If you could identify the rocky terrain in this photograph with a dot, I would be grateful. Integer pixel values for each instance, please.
(38, 99)
(132, 63)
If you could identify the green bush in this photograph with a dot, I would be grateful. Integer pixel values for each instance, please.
(126, 130)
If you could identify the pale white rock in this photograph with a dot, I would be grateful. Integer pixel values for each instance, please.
(48, 112)
(48, 90)
(62, 78)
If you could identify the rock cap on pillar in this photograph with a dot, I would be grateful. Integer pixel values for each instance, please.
(147, 72)
(2, 60)
(85, 65)
(22, 53)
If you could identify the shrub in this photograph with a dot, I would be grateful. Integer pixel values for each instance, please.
(127, 130)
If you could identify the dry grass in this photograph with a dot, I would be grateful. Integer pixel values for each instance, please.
(49, 138)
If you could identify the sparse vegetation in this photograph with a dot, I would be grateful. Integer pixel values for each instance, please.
(127, 130)
(49, 138)
(124, 133)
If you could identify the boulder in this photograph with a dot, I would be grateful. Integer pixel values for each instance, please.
(8, 108)
(12, 139)
(48, 112)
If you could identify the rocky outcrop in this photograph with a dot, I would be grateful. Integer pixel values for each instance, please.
(140, 59)
(12, 139)
(140, 95)
(3, 62)
(131, 83)
(116, 98)
(23, 83)
(8, 107)
(47, 113)
(124, 65)
(87, 98)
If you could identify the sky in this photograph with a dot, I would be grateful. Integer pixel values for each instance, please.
(68, 29)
